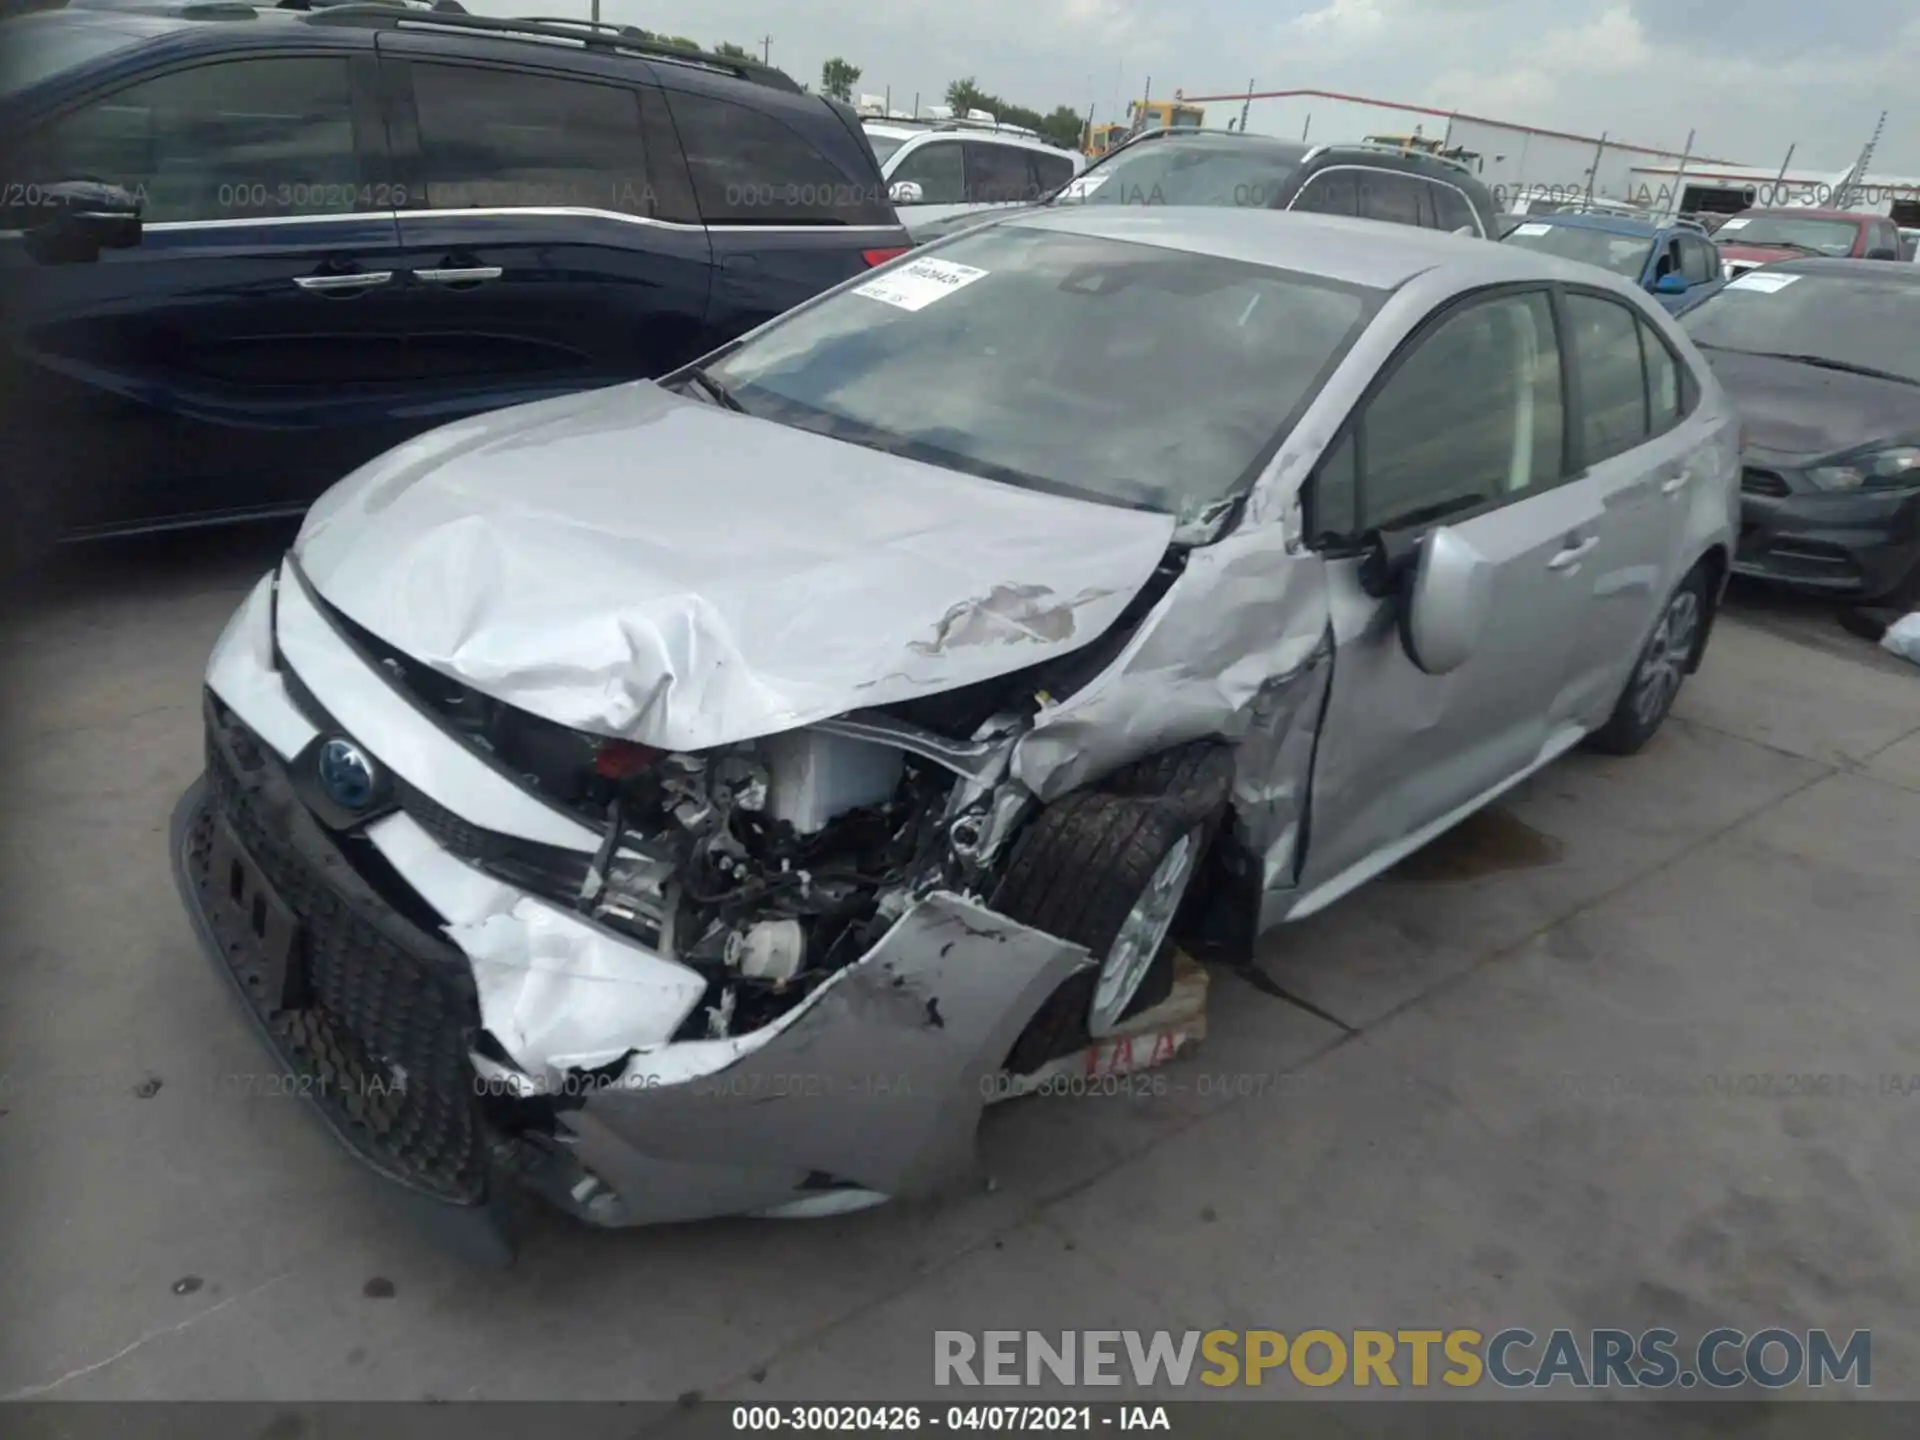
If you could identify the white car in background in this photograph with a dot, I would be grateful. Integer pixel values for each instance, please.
(946, 168)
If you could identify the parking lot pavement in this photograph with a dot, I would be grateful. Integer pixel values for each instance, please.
(1446, 1120)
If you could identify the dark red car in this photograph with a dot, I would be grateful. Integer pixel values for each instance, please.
(1759, 237)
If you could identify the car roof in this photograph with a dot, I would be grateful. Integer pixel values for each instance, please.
(1839, 268)
(1354, 251)
(1614, 224)
(1808, 212)
(966, 132)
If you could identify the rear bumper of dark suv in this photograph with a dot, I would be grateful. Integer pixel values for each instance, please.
(371, 1019)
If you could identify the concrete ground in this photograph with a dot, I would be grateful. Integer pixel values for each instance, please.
(1448, 1125)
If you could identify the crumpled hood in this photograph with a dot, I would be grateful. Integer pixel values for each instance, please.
(642, 565)
(1804, 412)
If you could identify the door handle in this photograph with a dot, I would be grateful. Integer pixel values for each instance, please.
(1673, 484)
(1573, 554)
(351, 283)
(459, 275)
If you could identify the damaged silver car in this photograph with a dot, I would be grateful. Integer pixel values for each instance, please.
(687, 799)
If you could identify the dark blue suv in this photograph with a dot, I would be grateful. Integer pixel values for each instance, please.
(244, 248)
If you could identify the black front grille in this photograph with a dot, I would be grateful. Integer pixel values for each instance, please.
(385, 1015)
(1763, 482)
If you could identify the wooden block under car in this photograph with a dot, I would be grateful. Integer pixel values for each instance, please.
(1173, 1028)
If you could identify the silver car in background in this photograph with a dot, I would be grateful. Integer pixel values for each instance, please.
(690, 798)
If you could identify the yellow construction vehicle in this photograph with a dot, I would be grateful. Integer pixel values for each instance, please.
(1144, 115)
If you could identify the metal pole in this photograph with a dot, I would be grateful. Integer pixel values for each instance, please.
(889, 99)
(1680, 180)
(1594, 173)
(1306, 127)
(596, 12)
(1140, 120)
(1245, 105)
(1781, 179)
(766, 47)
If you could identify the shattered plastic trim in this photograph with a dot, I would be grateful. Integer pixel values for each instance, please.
(242, 674)
(877, 1079)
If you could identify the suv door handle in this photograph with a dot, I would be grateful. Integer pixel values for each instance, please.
(351, 283)
(1676, 482)
(459, 275)
(1574, 553)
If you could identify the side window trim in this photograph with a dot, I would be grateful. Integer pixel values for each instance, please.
(1352, 429)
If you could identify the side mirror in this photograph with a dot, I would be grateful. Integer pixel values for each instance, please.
(1671, 284)
(905, 192)
(1446, 596)
(1880, 252)
(82, 218)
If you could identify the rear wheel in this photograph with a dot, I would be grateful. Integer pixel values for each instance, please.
(1663, 664)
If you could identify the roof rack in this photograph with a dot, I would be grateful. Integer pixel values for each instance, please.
(619, 39)
(444, 7)
(1385, 149)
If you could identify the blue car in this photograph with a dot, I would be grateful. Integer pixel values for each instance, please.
(1677, 263)
(245, 248)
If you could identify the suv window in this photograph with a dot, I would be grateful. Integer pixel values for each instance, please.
(1329, 192)
(1471, 414)
(1050, 172)
(1451, 210)
(752, 168)
(1697, 262)
(937, 169)
(997, 174)
(505, 138)
(1613, 387)
(238, 140)
(1390, 196)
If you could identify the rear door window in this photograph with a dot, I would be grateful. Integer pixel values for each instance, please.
(505, 139)
(1330, 192)
(1390, 196)
(1666, 403)
(237, 140)
(937, 169)
(750, 167)
(1050, 172)
(1453, 211)
(997, 174)
(1613, 386)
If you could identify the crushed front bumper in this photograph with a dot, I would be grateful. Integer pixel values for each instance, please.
(869, 1089)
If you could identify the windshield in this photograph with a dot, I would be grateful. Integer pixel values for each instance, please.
(884, 145)
(1829, 237)
(1852, 320)
(1184, 172)
(1124, 373)
(1622, 254)
(39, 47)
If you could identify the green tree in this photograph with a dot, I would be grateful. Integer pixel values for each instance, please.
(964, 95)
(733, 51)
(1062, 127)
(837, 78)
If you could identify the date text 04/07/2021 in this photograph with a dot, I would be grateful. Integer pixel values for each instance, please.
(986, 1419)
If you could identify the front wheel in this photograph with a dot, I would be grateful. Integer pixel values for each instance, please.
(1655, 683)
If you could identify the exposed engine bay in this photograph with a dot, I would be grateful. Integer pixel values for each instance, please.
(771, 864)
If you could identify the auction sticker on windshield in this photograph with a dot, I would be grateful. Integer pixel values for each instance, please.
(1532, 228)
(918, 285)
(1768, 283)
(1083, 187)
(1734, 224)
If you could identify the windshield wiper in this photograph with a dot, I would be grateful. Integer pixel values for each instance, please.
(1827, 362)
(1779, 245)
(719, 393)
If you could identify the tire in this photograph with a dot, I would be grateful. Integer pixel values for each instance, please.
(1658, 671)
(1087, 866)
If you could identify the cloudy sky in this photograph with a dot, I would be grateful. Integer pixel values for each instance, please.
(1751, 77)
